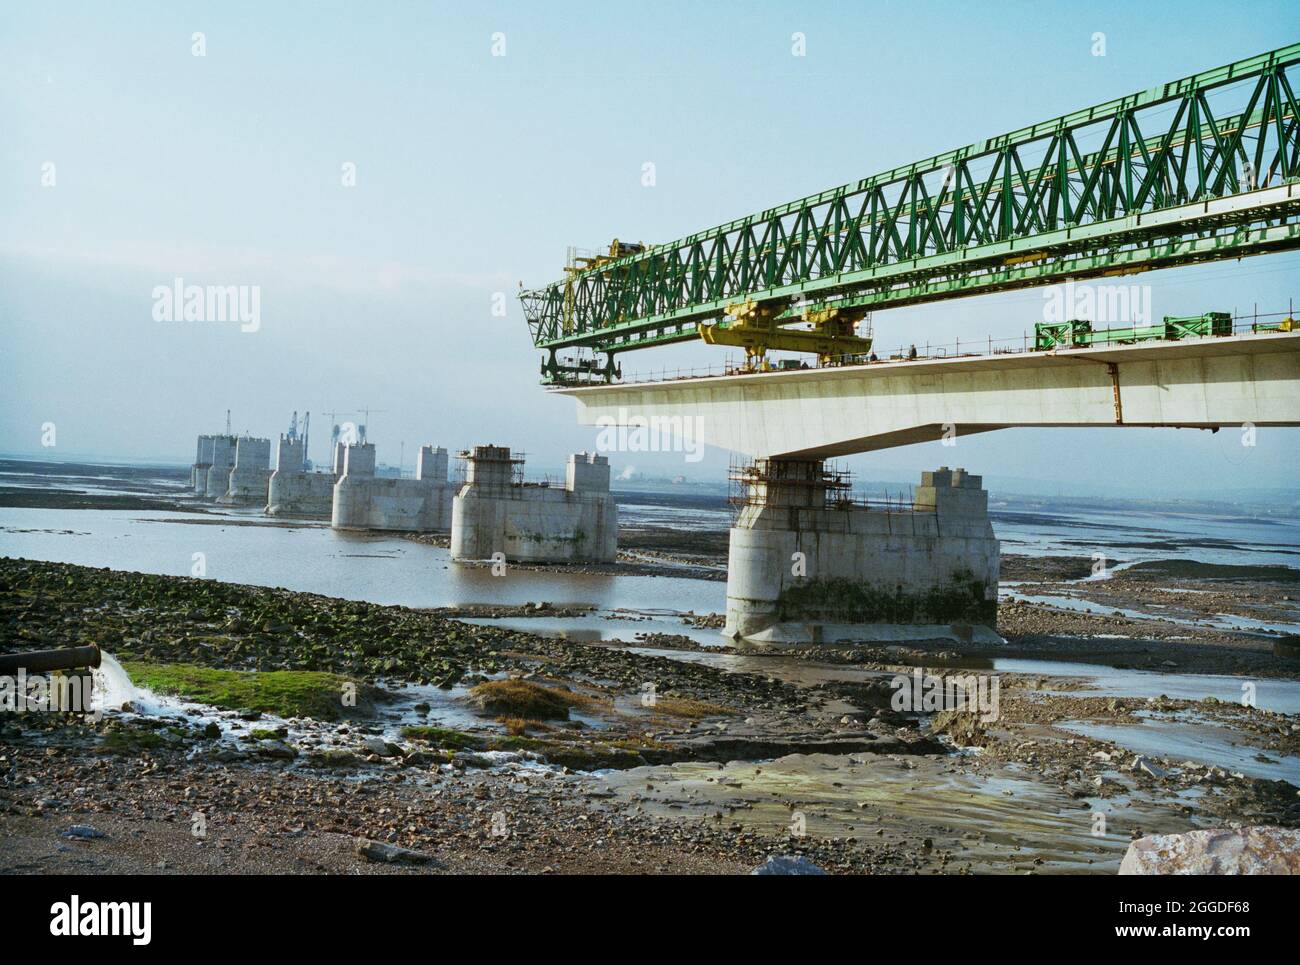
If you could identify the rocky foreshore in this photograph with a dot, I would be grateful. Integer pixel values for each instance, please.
(482, 748)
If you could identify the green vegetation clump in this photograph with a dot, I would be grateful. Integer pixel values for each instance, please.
(285, 693)
(689, 708)
(444, 737)
(146, 735)
(526, 699)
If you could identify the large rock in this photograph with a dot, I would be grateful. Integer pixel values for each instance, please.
(391, 853)
(1248, 851)
(787, 864)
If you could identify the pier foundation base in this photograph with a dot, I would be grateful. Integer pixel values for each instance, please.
(363, 500)
(497, 513)
(807, 565)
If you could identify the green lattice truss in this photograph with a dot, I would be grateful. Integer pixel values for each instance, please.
(1200, 169)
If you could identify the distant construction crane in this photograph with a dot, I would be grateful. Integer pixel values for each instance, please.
(1201, 169)
(336, 428)
(333, 416)
(296, 433)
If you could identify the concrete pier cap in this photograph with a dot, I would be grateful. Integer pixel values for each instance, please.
(290, 456)
(808, 564)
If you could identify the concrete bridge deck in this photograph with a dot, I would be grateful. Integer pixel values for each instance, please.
(1202, 383)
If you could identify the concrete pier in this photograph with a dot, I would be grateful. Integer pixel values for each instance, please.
(216, 476)
(213, 452)
(251, 474)
(806, 565)
(293, 491)
(290, 454)
(496, 512)
(202, 463)
(363, 500)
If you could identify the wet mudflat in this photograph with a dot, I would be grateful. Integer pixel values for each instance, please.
(704, 758)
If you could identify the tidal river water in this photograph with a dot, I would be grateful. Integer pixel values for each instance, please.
(311, 557)
(243, 546)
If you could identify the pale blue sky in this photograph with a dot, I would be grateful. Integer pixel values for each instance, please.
(475, 172)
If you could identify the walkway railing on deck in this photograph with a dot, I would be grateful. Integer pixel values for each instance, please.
(971, 348)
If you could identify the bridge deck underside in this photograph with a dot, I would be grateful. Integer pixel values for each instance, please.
(821, 413)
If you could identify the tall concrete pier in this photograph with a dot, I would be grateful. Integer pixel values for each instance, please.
(293, 491)
(808, 565)
(250, 475)
(363, 500)
(213, 460)
(216, 478)
(202, 463)
(497, 512)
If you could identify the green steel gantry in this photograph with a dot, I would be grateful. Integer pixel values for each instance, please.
(1199, 169)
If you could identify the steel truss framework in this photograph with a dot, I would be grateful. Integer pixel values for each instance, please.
(1200, 169)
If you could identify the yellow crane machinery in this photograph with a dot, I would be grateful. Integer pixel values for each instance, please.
(757, 327)
(581, 262)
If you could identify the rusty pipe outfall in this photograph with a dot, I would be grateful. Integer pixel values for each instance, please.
(45, 661)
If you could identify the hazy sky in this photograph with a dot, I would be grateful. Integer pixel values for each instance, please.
(473, 172)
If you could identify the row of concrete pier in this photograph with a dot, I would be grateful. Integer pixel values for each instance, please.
(491, 513)
(806, 563)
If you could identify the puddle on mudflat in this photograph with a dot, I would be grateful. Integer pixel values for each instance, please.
(1220, 621)
(789, 670)
(1103, 681)
(603, 626)
(1000, 821)
(1098, 680)
(1191, 738)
